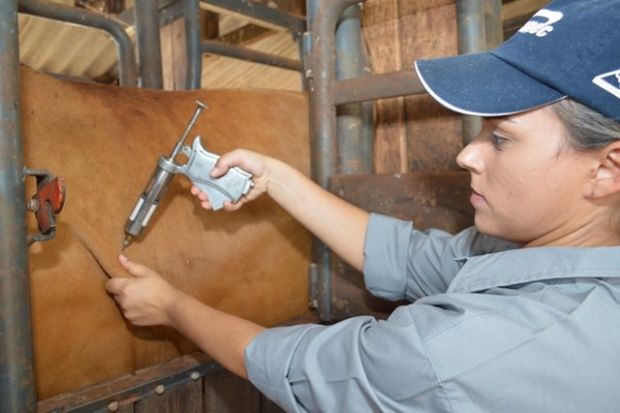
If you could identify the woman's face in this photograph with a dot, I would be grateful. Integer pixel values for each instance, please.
(528, 183)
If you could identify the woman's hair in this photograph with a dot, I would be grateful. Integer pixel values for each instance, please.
(587, 129)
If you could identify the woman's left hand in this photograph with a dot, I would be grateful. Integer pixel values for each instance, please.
(146, 298)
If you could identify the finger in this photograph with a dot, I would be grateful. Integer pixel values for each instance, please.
(219, 169)
(206, 204)
(229, 206)
(116, 285)
(198, 193)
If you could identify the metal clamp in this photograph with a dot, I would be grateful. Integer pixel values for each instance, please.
(46, 203)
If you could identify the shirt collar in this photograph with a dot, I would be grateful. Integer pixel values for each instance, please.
(525, 265)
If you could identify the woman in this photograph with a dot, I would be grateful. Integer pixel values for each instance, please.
(519, 313)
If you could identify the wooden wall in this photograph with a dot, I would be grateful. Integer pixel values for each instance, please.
(413, 133)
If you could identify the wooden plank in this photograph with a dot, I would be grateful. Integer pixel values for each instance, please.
(380, 29)
(267, 406)
(186, 398)
(412, 133)
(143, 384)
(226, 393)
(173, 56)
(433, 133)
(430, 200)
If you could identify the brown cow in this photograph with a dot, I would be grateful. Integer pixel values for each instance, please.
(105, 141)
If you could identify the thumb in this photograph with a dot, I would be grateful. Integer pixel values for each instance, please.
(116, 285)
(220, 167)
(135, 269)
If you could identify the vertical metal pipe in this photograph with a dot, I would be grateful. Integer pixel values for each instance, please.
(471, 39)
(355, 136)
(323, 151)
(312, 8)
(17, 386)
(192, 38)
(146, 14)
(323, 129)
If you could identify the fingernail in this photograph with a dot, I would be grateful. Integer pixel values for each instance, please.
(122, 258)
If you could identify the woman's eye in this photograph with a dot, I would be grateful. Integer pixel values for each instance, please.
(497, 139)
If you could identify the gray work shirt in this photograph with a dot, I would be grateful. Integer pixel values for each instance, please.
(493, 328)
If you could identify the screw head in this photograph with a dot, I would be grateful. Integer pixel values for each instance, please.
(113, 406)
(33, 205)
(160, 389)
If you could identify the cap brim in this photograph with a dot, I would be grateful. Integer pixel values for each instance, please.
(482, 84)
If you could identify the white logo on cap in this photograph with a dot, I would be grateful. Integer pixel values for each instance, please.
(609, 81)
(541, 29)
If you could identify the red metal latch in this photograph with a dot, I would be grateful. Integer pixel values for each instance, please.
(46, 203)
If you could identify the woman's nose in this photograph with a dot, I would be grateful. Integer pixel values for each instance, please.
(469, 158)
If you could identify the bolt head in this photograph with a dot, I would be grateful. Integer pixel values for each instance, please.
(160, 389)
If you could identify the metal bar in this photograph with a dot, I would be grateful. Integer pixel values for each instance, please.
(17, 381)
(471, 39)
(149, 44)
(192, 39)
(114, 27)
(228, 50)
(261, 12)
(381, 86)
(354, 120)
(323, 128)
(312, 8)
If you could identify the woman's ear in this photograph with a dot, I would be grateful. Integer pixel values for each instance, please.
(606, 176)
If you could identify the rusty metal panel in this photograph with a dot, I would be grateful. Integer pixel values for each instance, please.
(226, 393)
(429, 199)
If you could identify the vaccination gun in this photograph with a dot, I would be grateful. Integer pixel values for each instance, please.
(229, 187)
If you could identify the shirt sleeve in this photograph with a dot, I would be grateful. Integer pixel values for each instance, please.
(357, 365)
(404, 263)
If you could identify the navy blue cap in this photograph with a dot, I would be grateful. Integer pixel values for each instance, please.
(570, 48)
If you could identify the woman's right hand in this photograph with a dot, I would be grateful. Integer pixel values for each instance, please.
(337, 223)
(254, 163)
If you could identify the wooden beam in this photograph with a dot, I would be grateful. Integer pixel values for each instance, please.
(516, 13)
(521, 9)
